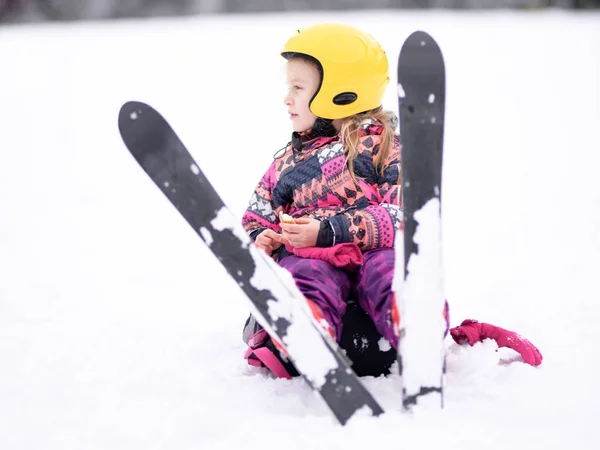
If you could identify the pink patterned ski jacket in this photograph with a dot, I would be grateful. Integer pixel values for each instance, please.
(311, 179)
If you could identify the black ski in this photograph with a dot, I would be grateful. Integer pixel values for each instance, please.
(272, 295)
(420, 298)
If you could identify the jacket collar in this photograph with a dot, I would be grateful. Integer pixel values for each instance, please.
(322, 130)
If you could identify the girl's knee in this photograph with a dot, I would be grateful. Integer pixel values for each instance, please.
(377, 270)
(381, 257)
(309, 268)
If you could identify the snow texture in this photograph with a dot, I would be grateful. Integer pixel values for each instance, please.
(225, 219)
(384, 345)
(422, 323)
(119, 330)
(401, 92)
(207, 236)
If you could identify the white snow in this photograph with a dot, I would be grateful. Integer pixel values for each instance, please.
(206, 235)
(420, 303)
(384, 345)
(120, 330)
(401, 92)
(226, 219)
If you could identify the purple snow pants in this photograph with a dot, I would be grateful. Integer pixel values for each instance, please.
(330, 288)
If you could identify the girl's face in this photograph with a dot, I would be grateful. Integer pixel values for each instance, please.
(303, 80)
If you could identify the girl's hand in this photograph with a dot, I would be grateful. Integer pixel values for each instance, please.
(269, 241)
(302, 233)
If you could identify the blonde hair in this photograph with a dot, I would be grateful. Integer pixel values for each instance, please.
(349, 135)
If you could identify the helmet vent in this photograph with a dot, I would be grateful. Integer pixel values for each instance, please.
(345, 98)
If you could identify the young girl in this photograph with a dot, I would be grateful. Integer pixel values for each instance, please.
(339, 178)
(336, 190)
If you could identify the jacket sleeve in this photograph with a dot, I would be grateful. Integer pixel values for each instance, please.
(374, 225)
(261, 212)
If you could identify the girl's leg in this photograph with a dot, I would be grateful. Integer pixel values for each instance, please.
(373, 289)
(373, 286)
(326, 286)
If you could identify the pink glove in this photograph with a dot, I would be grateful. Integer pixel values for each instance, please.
(346, 255)
(472, 331)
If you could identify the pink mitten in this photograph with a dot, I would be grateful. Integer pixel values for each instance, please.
(472, 331)
(346, 255)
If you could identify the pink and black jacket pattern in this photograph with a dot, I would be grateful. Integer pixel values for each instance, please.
(311, 179)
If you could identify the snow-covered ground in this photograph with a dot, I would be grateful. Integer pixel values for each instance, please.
(119, 330)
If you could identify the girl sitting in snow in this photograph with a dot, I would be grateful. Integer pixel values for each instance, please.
(337, 184)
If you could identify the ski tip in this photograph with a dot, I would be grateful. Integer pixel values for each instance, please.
(421, 38)
(419, 33)
(130, 112)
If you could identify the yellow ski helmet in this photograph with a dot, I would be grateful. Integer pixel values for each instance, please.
(353, 66)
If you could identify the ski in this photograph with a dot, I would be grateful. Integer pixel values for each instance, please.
(418, 281)
(272, 295)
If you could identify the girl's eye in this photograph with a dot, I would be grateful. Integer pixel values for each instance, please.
(298, 88)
